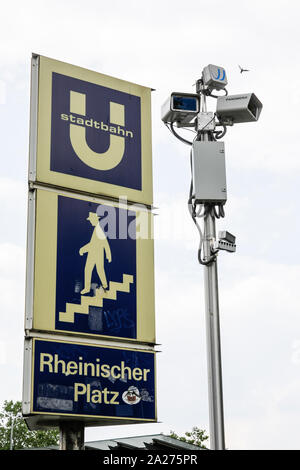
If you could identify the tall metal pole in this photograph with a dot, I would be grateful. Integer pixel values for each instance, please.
(11, 445)
(71, 435)
(214, 364)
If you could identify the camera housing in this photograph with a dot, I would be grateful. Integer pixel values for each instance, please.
(214, 77)
(180, 107)
(226, 236)
(233, 109)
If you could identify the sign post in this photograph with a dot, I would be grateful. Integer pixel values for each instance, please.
(89, 357)
(71, 436)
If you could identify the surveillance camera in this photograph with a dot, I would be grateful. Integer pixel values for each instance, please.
(226, 236)
(180, 107)
(238, 108)
(225, 242)
(214, 77)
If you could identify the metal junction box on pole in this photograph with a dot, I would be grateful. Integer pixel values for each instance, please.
(209, 174)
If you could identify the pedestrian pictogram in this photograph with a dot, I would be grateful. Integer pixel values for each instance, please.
(97, 250)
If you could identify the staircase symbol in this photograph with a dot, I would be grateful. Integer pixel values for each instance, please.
(97, 300)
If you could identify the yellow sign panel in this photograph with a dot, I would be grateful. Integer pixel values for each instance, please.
(90, 132)
(93, 267)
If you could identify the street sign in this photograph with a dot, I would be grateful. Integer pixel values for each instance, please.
(90, 132)
(90, 267)
(90, 257)
(98, 385)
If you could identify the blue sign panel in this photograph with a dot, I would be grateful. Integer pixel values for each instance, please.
(95, 132)
(95, 269)
(92, 381)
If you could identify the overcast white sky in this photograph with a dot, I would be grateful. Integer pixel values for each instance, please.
(165, 45)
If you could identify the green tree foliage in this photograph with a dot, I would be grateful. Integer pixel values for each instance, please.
(196, 436)
(22, 437)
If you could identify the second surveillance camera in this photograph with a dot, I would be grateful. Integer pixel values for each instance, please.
(214, 77)
(180, 107)
(238, 108)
